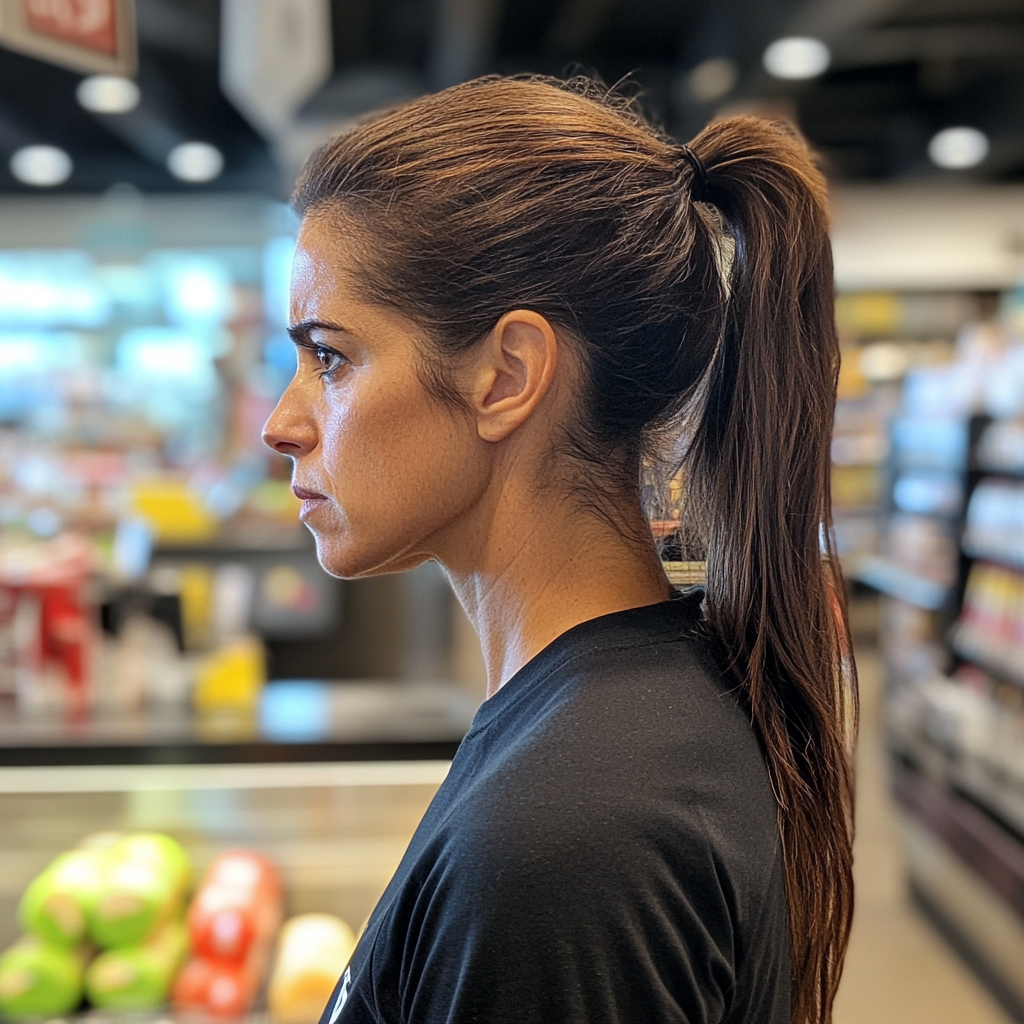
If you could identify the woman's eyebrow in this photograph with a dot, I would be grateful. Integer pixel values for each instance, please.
(300, 331)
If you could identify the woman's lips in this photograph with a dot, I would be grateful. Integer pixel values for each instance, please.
(310, 500)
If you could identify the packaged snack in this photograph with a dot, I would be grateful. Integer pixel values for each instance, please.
(219, 987)
(313, 951)
(38, 979)
(138, 977)
(233, 920)
(57, 903)
(144, 883)
(239, 903)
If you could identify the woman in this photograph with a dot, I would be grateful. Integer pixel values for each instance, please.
(511, 300)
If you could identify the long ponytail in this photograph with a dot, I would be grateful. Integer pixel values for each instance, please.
(759, 484)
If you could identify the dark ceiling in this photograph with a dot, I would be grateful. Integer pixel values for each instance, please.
(901, 70)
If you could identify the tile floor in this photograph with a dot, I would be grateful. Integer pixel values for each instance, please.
(898, 971)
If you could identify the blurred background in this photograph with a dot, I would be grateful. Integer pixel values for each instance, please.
(171, 656)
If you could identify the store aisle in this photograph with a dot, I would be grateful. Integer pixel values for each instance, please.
(898, 971)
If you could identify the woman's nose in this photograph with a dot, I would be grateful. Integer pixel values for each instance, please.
(290, 429)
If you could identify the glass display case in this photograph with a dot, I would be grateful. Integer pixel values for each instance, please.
(336, 831)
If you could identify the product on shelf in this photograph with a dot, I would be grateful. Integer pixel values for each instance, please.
(991, 624)
(232, 920)
(138, 977)
(313, 951)
(48, 623)
(219, 987)
(239, 903)
(1002, 446)
(925, 545)
(995, 521)
(232, 677)
(144, 883)
(39, 979)
(57, 904)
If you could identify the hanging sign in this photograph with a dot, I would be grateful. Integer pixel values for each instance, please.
(274, 54)
(91, 36)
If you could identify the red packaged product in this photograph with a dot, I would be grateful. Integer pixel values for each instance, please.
(238, 903)
(233, 920)
(220, 988)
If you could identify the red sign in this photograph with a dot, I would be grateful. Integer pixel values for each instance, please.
(91, 24)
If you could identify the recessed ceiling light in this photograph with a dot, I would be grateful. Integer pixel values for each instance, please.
(108, 94)
(195, 161)
(712, 79)
(796, 57)
(41, 166)
(958, 148)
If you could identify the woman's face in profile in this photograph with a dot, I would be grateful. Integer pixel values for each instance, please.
(386, 471)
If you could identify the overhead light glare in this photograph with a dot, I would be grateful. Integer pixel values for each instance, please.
(712, 79)
(958, 148)
(41, 166)
(795, 57)
(195, 161)
(108, 94)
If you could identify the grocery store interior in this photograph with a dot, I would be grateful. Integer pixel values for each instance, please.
(186, 698)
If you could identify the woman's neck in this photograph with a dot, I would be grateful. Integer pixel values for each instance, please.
(527, 571)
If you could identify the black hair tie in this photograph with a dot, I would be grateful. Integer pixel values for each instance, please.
(699, 183)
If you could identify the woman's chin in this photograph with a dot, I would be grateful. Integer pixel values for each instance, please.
(348, 562)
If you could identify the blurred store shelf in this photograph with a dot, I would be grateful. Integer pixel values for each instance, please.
(297, 721)
(897, 581)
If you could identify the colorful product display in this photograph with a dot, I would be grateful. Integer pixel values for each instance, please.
(107, 923)
(122, 895)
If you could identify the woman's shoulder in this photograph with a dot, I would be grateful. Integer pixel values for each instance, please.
(636, 733)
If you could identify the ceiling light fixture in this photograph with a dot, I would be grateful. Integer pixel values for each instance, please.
(195, 162)
(108, 94)
(958, 148)
(41, 166)
(712, 79)
(795, 57)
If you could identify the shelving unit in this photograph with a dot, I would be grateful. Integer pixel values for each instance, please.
(950, 569)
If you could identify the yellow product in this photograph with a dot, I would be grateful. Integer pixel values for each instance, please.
(175, 512)
(869, 313)
(196, 596)
(313, 951)
(856, 486)
(232, 677)
(852, 382)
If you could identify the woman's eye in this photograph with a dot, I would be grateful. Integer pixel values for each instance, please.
(329, 359)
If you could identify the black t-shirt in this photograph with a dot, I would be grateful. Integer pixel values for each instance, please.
(604, 849)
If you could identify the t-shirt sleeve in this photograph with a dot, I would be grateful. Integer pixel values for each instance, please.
(550, 919)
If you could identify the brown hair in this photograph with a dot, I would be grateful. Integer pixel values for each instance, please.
(710, 320)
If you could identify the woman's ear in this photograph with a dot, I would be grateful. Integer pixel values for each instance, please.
(512, 373)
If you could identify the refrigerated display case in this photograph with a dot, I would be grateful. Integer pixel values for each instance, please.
(334, 831)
